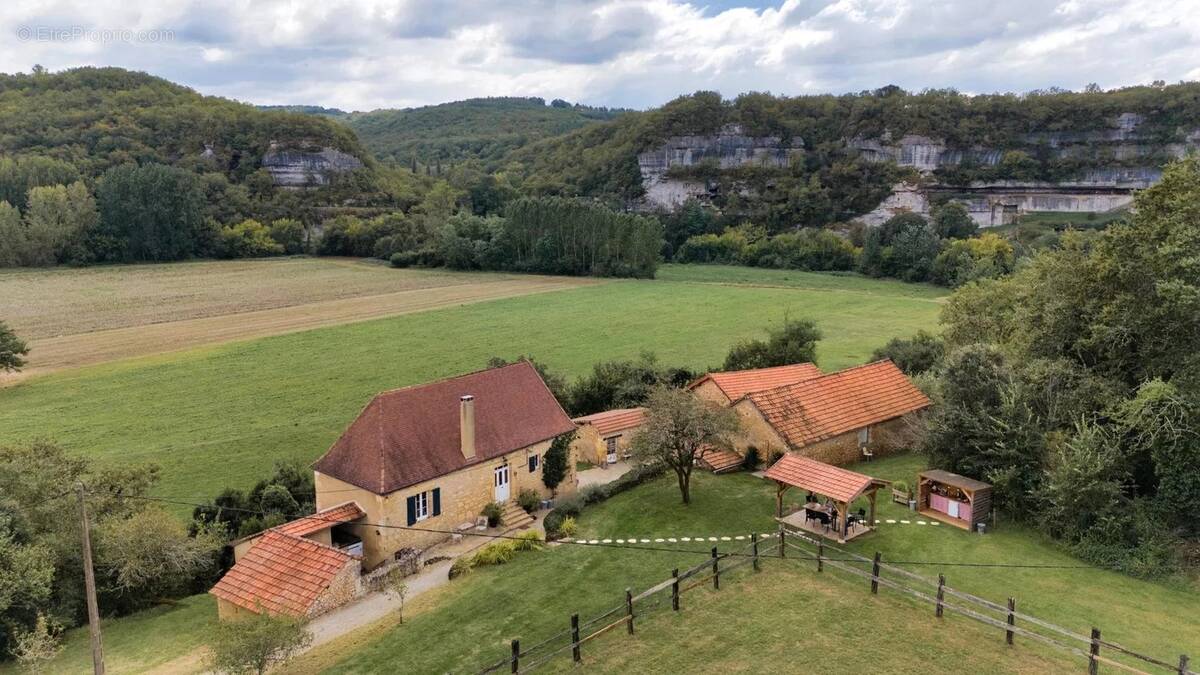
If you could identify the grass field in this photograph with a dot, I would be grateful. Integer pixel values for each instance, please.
(784, 620)
(221, 416)
(74, 318)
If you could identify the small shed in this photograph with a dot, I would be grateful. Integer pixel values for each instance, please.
(953, 499)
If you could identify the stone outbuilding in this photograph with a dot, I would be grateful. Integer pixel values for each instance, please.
(603, 438)
(853, 414)
(728, 387)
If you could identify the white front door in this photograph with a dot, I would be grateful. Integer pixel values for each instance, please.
(501, 484)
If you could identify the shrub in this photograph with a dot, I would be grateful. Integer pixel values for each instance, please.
(462, 566)
(634, 477)
(530, 540)
(900, 486)
(529, 500)
(750, 462)
(567, 527)
(568, 507)
(594, 494)
(405, 259)
(495, 554)
(494, 514)
(918, 354)
(248, 239)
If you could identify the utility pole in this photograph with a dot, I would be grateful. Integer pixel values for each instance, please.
(89, 582)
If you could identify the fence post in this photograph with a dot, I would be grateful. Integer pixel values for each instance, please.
(629, 609)
(1183, 664)
(941, 596)
(875, 575)
(716, 571)
(820, 554)
(1012, 620)
(754, 541)
(1093, 664)
(675, 589)
(575, 638)
(782, 541)
(516, 656)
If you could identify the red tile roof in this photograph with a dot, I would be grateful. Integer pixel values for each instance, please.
(612, 421)
(838, 403)
(824, 479)
(410, 435)
(282, 574)
(737, 383)
(302, 527)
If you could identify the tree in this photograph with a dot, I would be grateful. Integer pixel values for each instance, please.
(793, 342)
(57, 220)
(12, 350)
(13, 236)
(914, 249)
(679, 426)
(149, 555)
(396, 587)
(915, 355)
(151, 212)
(290, 234)
(248, 239)
(36, 647)
(555, 462)
(257, 643)
(621, 384)
(952, 221)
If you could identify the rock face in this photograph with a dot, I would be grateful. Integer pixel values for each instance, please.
(999, 203)
(728, 148)
(297, 169)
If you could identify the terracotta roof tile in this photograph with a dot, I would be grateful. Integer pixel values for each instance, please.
(410, 435)
(612, 421)
(282, 573)
(738, 383)
(839, 403)
(824, 479)
(342, 513)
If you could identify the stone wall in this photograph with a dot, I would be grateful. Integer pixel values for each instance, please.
(298, 169)
(464, 493)
(345, 587)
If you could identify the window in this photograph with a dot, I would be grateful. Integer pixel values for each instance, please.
(423, 506)
(534, 463)
(864, 436)
(419, 505)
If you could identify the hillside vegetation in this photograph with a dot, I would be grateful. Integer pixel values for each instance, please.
(831, 183)
(486, 129)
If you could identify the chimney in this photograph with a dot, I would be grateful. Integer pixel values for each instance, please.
(466, 425)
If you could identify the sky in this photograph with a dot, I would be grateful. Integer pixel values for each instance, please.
(367, 54)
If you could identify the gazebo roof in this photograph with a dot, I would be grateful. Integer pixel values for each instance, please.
(839, 484)
(954, 479)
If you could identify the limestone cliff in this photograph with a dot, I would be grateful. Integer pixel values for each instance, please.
(728, 148)
(306, 168)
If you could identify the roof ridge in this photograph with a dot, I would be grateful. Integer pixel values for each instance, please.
(816, 380)
(449, 378)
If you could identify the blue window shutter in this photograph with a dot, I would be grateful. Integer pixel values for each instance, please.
(437, 501)
(412, 510)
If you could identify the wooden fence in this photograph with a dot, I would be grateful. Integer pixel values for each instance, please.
(797, 546)
(976, 608)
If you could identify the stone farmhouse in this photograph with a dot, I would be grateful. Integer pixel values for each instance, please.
(603, 438)
(431, 456)
(414, 468)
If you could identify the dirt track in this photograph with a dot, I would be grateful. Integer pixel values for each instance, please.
(69, 351)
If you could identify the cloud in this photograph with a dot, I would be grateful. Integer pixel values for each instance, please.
(363, 54)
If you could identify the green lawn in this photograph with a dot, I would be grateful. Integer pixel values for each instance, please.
(220, 416)
(786, 619)
(766, 623)
(823, 281)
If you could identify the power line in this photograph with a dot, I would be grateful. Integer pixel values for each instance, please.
(633, 546)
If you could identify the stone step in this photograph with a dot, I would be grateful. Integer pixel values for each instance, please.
(515, 517)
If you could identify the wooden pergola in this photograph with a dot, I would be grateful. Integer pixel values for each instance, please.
(842, 486)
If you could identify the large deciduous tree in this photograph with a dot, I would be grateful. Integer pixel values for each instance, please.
(151, 212)
(680, 426)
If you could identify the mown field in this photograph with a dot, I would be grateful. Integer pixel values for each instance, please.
(784, 619)
(78, 317)
(220, 416)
